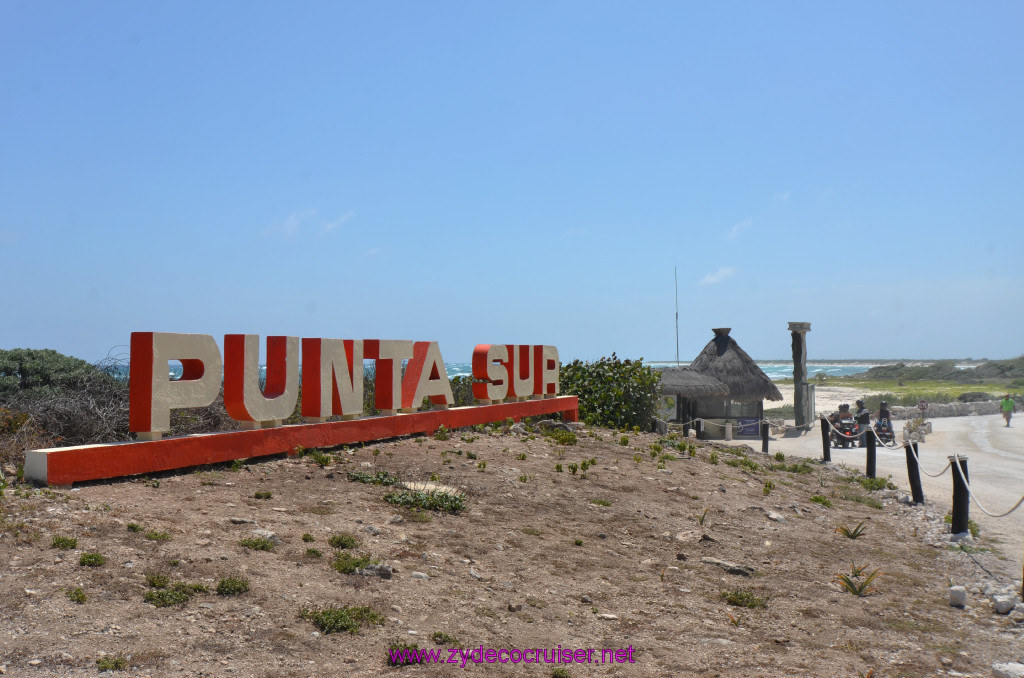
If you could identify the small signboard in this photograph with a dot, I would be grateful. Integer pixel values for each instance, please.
(922, 405)
(748, 426)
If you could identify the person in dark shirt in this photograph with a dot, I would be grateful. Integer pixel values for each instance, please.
(863, 422)
(884, 416)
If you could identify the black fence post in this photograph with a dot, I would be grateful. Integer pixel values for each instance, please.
(764, 437)
(914, 473)
(826, 444)
(870, 466)
(961, 498)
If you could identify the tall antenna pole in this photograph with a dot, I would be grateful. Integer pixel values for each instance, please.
(675, 275)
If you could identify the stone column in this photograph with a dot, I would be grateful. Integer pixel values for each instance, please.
(800, 404)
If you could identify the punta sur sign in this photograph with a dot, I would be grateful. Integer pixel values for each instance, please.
(510, 381)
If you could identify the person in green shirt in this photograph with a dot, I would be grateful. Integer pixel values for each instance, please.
(1008, 407)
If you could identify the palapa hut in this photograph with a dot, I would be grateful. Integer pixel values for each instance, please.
(699, 393)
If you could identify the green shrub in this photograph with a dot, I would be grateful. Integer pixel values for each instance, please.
(334, 619)
(314, 553)
(263, 495)
(64, 543)
(77, 595)
(167, 597)
(112, 662)
(257, 543)
(562, 437)
(432, 501)
(343, 541)
(442, 638)
(612, 392)
(232, 586)
(345, 563)
(157, 581)
(92, 559)
(824, 501)
(157, 535)
(379, 478)
(307, 537)
(740, 598)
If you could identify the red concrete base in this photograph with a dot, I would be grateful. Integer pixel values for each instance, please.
(66, 465)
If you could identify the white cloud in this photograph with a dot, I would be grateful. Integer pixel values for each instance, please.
(718, 276)
(783, 197)
(735, 230)
(291, 225)
(337, 222)
(373, 252)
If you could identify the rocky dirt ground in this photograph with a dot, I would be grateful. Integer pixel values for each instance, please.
(625, 555)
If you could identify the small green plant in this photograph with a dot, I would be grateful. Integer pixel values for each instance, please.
(157, 581)
(735, 621)
(77, 595)
(263, 495)
(135, 527)
(738, 598)
(558, 467)
(562, 437)
(638, 459)
(112, 662)
(319, 458)
(768, 487)
(471, 455)
(379, 478)
(779, 456)
(578, 542)
(524, 479)
(972, 526)
(481, 467)
(92, 559)
(442, 433)
(532, 531)
(345, 563)
(560, 672)
(168, 597)
(401, 653)
(851, 533)
(157, 535)
(232, 585)
(573, 467)
(441, 638)
(174, 563)
(875, 484)
(64, 543)
(601, 502)
(343, 541)
(336, 619)
(237, 465)
(822, 500)
(154, 483)
(257, 543)
(858, 583)
(624, 440)
(307, 537)
(431, 501)
(713, 458)
(521, 456)
(435, 478)
(314, 553)
(702, 517)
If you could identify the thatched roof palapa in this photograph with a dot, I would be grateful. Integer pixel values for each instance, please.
(724, 360)
(687, 383)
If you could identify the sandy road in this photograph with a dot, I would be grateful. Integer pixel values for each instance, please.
(995, 466)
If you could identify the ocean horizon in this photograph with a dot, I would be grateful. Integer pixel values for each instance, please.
(776, 370)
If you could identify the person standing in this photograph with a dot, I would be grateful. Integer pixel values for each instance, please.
(863, 422)
(1008, 407)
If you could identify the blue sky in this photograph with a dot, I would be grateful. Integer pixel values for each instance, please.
(524, 172)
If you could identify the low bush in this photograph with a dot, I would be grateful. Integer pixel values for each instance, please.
(612, 392)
